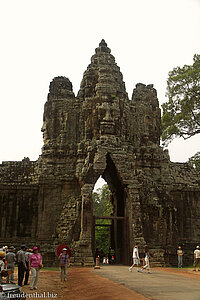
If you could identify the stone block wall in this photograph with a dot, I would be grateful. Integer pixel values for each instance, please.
(100, 132)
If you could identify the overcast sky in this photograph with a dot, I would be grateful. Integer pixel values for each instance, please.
(43, 39)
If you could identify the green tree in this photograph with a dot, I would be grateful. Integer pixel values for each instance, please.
(101, 201)
(102, 207)
(181, 114)
(195, 160)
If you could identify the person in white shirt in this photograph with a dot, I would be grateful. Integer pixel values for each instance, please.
(196, 258)
(136, 258)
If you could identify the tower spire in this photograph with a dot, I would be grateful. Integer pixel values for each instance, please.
(103, 76)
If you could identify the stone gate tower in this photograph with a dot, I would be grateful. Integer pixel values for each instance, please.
(100, 132)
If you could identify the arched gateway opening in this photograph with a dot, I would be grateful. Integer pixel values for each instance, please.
(116, 222)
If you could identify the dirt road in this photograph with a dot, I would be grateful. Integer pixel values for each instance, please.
(81, 284)
(162, 284)
(119, 284)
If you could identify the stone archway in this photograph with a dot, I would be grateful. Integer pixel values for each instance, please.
(119, 228)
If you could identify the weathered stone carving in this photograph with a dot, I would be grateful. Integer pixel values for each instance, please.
(101, 132)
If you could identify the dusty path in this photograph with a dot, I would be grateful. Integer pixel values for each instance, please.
(116, 282)
(81, 284)
(84, 284)
(162, 284)
(182, 272)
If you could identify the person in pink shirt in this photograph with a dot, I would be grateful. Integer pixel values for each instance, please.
(35, 264)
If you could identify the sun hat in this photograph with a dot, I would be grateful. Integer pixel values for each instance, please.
(64, 249)
(11, 248)
(35, 248)
(2, 254)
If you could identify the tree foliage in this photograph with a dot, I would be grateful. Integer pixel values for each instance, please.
(195, 160)
(101, 201)
(181, 114)
(102, 207)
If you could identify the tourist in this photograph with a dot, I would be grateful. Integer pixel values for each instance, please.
(64, 262)
(180, 257)
(10, 258)
(136, 258)
(21, 264)
(5, 249)
(2, 265)
(27, 256)
(35, 264)
(97, 255)
(196, 258)
(146, 259)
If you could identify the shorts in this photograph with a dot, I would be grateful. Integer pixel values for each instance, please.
(136, 261)
(147, 265)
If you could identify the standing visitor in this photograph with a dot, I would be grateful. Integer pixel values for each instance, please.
(10, 258)
(64, 262)
(27, 256)
(5, 249)
(146, 259)
(35, 264)
(21, 264)
(96, 255)
(180, 257)
(136, 258)
(196, 258)
(2, 265)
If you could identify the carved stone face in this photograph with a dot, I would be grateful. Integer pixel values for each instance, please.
(44, 130)
(60, 87)
(107, 124)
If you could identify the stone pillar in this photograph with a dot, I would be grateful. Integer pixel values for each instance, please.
(86, 236)
(136, 216)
